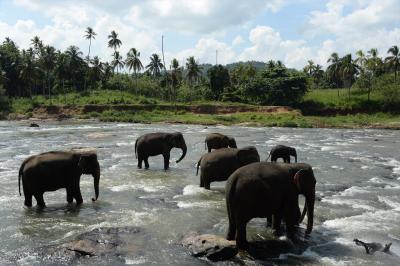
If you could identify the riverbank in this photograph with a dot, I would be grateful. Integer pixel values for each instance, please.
(320, 109)
(265, 116)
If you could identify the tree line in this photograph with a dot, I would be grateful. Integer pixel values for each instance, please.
(43, 70)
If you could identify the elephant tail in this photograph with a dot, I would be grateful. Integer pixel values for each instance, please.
(205, 145)
(21, 169)
(136, 147)
(198, 164)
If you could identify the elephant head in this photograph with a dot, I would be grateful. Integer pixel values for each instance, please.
(305, 182)
(89, 165)
(232, 142)
(248, 155)
(176, 140)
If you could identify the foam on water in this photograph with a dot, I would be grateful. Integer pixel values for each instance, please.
(135, 261)
(196, 190)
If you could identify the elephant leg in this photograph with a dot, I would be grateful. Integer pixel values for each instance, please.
(39, 200)
(209, 149)
(269, 221)
(288, 159)
(166, 160)
(146, 162)
(28, 200)
(201, 180)
(70, 197)
(140, 160)
(78, 196)
(276, 223)
(241, 241)
(207, 184)
(231, 230)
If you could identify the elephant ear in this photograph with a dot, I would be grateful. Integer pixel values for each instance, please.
(86, 160)
(303, 179)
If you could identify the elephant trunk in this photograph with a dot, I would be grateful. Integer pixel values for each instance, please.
(310, 200)
(96, 176)
(295, 155)
(184, 149)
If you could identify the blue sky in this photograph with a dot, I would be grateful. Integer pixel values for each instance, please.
(292, 31)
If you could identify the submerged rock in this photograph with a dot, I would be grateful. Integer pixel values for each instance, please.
(101, 245)
(217, 248)
(214, 248)
(33, 125)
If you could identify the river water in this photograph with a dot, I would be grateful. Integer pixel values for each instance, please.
(358, 187)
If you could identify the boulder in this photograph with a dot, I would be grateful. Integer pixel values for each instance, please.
(33, 125)
(214, 248)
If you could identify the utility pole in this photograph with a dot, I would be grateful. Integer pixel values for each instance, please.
(216, 57)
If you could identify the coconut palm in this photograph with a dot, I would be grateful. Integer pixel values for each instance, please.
(75, 61)
(333, 69)
(348, 69)
(89, 35)
(309, 68)
(361, 60)
(193, 70)
(317, 74)
(96, 69)
(155, 65)
(113, 41)
(394, 59)
(133, 62)
(61, 71)
(48, 59)
(28, 69)
(37, 45)
(117, 63)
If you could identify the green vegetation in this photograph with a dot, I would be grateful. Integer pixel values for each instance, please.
(42, 76)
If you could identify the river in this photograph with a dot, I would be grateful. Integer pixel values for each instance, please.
(358, 190)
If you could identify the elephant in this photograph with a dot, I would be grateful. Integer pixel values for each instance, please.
(153, 144)
(284, 152)
(218, 141)
(268, 189)
(53, 170)
(218, 165)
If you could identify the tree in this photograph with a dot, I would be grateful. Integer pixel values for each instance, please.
(89, 35)
(48, 58)
(394, 59)
(117, 63)
(75, 63)
(133, 62)
(113, 41)
(219, 80)
(193, 70)
(333, 69)
(96, 69)
(309, 68)
(155, 65)
(61, 71)
(348, 69)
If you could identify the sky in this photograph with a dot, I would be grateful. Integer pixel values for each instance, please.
(293, 31)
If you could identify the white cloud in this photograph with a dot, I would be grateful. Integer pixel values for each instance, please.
(205, 52)
(238, 41)
(361, 24)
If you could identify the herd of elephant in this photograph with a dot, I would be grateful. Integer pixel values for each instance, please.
(253, 188)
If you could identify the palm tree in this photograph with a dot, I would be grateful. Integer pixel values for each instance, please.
(193, 70)
(89, 35)
(61, 71)
(113, 41)
(361, 59)
(96, 69)
(155, 65)
(348, 70)
(28, 69)
(309, 68)
(75, 62)
(117, 63)
(394, 59)
(317, 74)
(333, 69)
(48, 61)
(37, 45)
(133, 62)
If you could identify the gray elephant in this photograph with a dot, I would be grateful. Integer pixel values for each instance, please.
(54, 170)
(284, 152)
(268, 189)
(153, 144)
(218, 165)
(218, 141)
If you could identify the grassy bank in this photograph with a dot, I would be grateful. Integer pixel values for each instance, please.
(127, 107)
